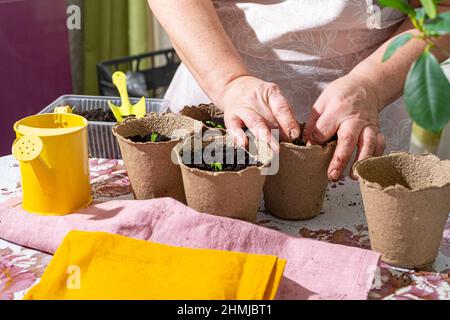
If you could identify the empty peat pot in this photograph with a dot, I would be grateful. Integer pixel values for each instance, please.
(234, 192)
(211, 117)
(407, 201)
(297, 191)
(149, 164)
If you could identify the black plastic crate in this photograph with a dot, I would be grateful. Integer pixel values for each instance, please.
(160, 67)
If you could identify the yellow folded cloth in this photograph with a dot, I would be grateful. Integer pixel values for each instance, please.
(96, 265)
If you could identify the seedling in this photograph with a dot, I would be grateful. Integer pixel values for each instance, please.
(153, 137)
(216, 166)
(212, 124)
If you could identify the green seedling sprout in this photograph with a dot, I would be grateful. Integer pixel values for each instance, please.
(216, 166)
(153, 137)
(213, 124)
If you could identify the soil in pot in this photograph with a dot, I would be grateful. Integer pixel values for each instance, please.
(231, 190)
(222, 165)
(151, 137)
(406, 201)
(149, 164)
(97, 115)
(300, 141)
(297, 191)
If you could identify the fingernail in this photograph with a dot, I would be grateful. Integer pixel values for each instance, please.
(294, 134)
(334, 175)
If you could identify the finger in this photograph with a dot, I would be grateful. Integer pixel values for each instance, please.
(311, 124)
(259, 128)
(366, 145)
(381, 145)
(282, 112)
(325, 128)
(348, 135)
(234, 127)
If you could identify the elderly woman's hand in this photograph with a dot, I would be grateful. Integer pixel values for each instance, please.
(260, 106)
(349, 107)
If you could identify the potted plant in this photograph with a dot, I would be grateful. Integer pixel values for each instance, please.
(427, 89)
(297, 191)
(146, 145)
(406, 201)
(220, 179)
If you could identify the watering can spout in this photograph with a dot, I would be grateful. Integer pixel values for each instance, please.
(27, 149)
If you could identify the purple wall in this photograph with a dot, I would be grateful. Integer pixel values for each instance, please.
(34, 60)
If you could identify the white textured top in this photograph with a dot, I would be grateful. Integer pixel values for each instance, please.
(303, 45)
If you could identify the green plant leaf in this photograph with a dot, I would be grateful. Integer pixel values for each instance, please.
(427, 94)
(401, 5)
(153, 137)
(396, 43)
(217, 166)
(440, 25)
(420, 14)
(430, 8)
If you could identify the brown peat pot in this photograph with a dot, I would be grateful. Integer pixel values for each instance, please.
(234, 194)
(406, 201)
(149, 164)
(297, 191)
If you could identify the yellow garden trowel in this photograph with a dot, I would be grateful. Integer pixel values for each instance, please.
(127, 109)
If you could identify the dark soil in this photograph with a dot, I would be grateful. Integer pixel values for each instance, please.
(148, 138)
(224, 166)
(215, 122)
(97, 115)
(300, 140)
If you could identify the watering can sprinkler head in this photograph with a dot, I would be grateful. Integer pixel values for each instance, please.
(27, 149)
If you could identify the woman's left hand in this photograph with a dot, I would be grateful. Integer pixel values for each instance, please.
(349, 106)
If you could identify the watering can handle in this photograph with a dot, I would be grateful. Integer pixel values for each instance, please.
(58, 115)
(120, 81)
(63, 109)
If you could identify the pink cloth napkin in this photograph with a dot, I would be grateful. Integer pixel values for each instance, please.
(314, 270)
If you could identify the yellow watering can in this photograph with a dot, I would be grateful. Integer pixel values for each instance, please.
(53, 153)
(127, 109)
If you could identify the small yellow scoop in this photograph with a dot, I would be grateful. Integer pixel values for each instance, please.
(127, 109)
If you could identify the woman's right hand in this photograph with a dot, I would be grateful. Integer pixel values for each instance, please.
(260, 106)
(201, 41)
